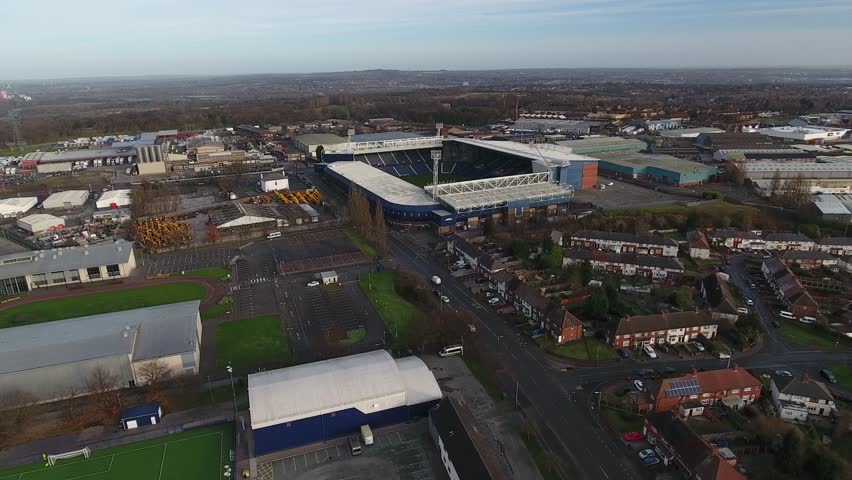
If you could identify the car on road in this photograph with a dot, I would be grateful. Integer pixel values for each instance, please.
(723, 355)
(493, 301)
(623, 353)
(651, 461)
(647, 452)
(783, 373)
(828, 375)
(436, 280)
(445, 299)
(609, 184)
(698, 346)
(649, 350)
(639, 384)
(633, 436)
(749, 302)
(313, 283)
(742, 310)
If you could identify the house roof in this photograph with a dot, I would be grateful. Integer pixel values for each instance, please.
(697, 239)
(730, 233)
(788, 237)
(789, 285)
(793, 255)
(532, 296)
(503, 276)
(663, 321)
(712, 381)
(837, 241)
(719, 295)
(671, 263)
(693, 449)
(803, 387)
(624, 238)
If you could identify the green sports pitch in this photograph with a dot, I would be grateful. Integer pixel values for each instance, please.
(200, 454)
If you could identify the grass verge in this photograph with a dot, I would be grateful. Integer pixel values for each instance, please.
(98, 303)
(395, 311)
(843, 373)
(360, 242)
(543, 459)
(353, 337)
(808, 335)
(483, 375)
(214, 273)
(251, 342)
(218, 310)
(584, 349)
(622, 422)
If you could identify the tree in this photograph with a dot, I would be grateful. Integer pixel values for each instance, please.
(682, 298)
(791, 456)
(520, 249)
(380, 228)
(552, 259)
(824, 464)
(597, 306)
(797, 191)
(212, 233)
(103, 386)
(151, 373)
(15, 414)
(748, 330)
(775, 185)
(320, 153)
(693, 220)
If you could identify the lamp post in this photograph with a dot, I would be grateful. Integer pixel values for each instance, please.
(233, 391)
(499, 337)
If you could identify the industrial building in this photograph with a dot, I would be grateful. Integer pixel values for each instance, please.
(53, 360)
(590, 146)
(662, 124)
(273, 182)
(40, 223)
(66, 200)
(659, 168)
(114, 199)
(15, 206)
(241, 217)
(545, 125)
(257, 132)
(778, 154)
(821, 177)
(25, 271)
(729, 140)
(151, 159)
(688, 132)
(309, 142)
(808, 135)
(332, 398)
(837, 207)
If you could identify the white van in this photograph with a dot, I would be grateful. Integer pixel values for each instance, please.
(270, 236)
(366, 435)
(786, 314)
(451, 350)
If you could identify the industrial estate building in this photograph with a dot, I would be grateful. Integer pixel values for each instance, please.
(66, 200)
(660, 168)
(114, 199)
(590, 146)
(22, 272)
(41, 223)
(318, 401)
(808, 134)
(15, 206)
(53, 360)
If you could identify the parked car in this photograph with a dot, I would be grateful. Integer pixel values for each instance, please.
(663, 347)
(647, 372)
(623, 353)
(784, 373)
(648, 452)
(313, 283)
(633, 436)
(651, 461)
(669, 371)
(649, 350)
(723, 355)
(488, 294)
(807, 320)
(698, 346)
(445, 299)
(828, 375)
(481, 280)
(639, 385)
(493, 301)
(742, 310)
(749, 302)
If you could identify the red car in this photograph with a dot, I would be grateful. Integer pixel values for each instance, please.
(633, 436)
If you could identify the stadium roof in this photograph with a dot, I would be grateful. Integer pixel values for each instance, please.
(644, 160)
(369, 382)
(62, 259)
(688, 132)
(380, 137)
(601, 142)
(552, 154)
(144, 333)
(386, 186)
(501, 191)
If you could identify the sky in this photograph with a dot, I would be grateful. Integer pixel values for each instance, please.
(92, 38)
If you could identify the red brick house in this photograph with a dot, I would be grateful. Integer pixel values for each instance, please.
(789, 289)
(700, 389)
(671, 328)
(808, 259)
(563, 326)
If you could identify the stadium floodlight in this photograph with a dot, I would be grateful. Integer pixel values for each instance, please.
(438, 127)
(436, 157)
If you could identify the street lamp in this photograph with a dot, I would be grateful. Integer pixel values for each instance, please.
(498, 346)
(233, 392)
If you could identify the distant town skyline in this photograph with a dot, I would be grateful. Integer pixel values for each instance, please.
(94, 38)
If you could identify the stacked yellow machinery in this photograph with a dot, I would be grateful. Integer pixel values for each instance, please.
(157, 233)
(311, 196)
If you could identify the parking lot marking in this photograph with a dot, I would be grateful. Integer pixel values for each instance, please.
(338, 451)
(397, 434)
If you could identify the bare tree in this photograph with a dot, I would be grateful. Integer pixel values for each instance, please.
(15, 414)
(380, 228)
(103, 386)
(71, 406)
(153, 372)
(775, 185)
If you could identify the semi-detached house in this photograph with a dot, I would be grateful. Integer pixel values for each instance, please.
(789, 289)
(809, 259)
(671, 328)
(624, 243)
(796, 398)
(689, 394)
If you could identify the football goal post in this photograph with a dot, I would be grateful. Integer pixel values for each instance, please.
(51, 459)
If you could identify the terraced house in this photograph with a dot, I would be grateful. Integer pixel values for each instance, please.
(671, 328)
(656, 267)
(624, 243)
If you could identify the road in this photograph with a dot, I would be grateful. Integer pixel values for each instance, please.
(562, 398)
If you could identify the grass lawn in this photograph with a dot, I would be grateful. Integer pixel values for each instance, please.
(622, 422)
(218, 310)
(585, 349)
(426, 179)
(200, 453)
(214, 273)
(96, 303)
(353, 337)
(807, 335)
(543, 460)
(843, 374)
(395, 311)
(251, 342)
(718, 209)
(360, 242)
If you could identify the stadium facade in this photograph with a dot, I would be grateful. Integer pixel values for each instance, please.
(319, 401)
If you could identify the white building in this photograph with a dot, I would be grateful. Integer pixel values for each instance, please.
(66, 200)
(789, 241)
(810, 134)
(41, 222)
(839, 246)
(328, 277)
(12, 207)
(273, 182)
(624, 243)
(114, 199)
(796, 398)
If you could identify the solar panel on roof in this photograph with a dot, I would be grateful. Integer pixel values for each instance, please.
(682, 388)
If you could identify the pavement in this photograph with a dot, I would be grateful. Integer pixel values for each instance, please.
(564, 397)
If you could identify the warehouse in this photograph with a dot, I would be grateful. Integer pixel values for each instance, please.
(589, 146)
(660, 168)
(836, 208)
(809, 134)
(114, 199)
(66, 200)
(309, 143)
(84, 158)
(50, 360)
(688, 132)
(25, 271)
(40, 223)
(319, 401)
(15, 206)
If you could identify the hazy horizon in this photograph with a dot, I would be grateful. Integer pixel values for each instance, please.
(94, 38)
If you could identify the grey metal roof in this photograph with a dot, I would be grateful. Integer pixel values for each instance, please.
(144, 333)
(379, 137)
(319, 139)
(62, 259)
(384, 185)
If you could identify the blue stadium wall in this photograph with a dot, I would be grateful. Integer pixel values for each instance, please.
(578, 174)
(331, 425)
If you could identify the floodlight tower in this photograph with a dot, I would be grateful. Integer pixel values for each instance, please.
(439, 126)
(436, 157)
(349, 134)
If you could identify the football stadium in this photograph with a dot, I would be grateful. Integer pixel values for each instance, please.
(508, 182)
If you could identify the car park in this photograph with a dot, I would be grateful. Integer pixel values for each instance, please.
(639, 385)
(633, 436)
(647, 452)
